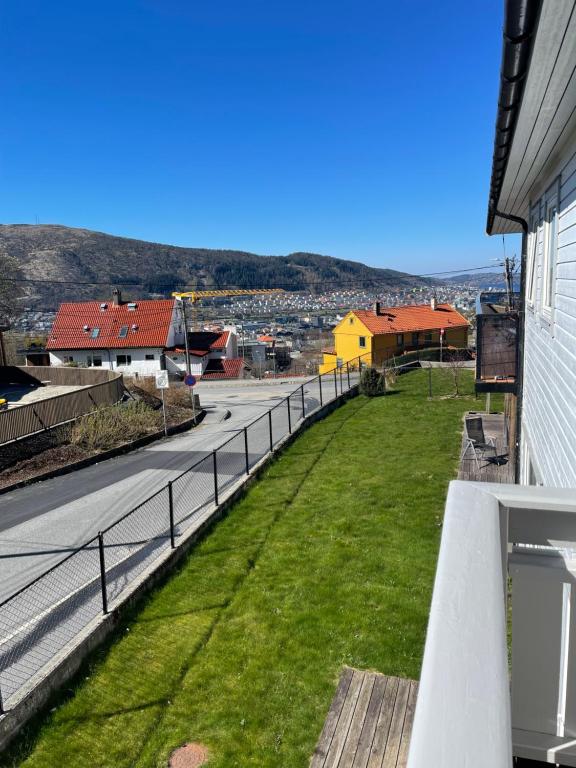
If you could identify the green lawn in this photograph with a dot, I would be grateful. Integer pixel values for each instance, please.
(328, 560)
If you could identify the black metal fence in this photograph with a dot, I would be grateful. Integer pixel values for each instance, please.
(41, 618)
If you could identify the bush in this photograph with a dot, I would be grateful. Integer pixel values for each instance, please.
(372, 383)
(112, 425)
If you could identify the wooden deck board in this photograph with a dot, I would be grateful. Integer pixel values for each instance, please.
(369, 723)
(487, 471)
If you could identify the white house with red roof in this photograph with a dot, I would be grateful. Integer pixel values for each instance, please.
(129, 336)
(139, 337)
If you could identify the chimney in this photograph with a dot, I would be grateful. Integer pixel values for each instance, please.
(377, 310)
(116, 297)
(433, 302)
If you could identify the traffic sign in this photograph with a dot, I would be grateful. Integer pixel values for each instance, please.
(162, 380)
(189, 380)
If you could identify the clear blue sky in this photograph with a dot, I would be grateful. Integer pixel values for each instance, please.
(361, 130)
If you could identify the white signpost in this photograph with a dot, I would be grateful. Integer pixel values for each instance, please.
(162, 383)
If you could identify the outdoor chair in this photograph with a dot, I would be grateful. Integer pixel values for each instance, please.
(475, 440)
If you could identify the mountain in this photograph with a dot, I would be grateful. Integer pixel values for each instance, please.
(88, 264)
(481, 280)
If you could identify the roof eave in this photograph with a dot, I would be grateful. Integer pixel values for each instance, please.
(520, 25)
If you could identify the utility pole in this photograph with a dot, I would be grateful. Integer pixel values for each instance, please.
(508, 270)
(183, 303)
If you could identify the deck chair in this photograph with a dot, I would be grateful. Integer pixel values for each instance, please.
(475, 440)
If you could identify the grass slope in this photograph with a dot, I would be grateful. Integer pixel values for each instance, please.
(328, 560)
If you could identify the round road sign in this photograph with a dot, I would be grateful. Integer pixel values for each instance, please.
(190, 380)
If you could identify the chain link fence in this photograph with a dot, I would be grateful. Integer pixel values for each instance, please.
(42, 618)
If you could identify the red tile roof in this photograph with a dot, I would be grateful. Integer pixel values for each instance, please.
(411, 318)
(221, 341)
(151, 321)
(225, 369)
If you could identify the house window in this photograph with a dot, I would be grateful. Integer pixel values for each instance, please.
(532, 256)
(94, 333)
(400, 339)
(351, 321)
(68, 359)
(414, 339)
(123, 359)
(550, 246)
(148, 357)
(428, 338)
(94, 360)
(123, 332)
(362, 341)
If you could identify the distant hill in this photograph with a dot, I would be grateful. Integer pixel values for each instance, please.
(80, 256)
(481, 280)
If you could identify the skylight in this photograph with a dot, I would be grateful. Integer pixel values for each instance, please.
(94, 333)
(123, 332)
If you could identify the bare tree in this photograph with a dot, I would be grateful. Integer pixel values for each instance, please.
(456, 360)
(10, 289)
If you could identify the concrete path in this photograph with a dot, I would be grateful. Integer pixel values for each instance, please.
(41, 523)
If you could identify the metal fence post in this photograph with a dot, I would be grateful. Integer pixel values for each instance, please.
(103, 572)
(335, 383)
(270, 430)
(348, 373)
(341, 381)
(320, 385)
(1, 704)
(215, 465)
(171, 513)
(289, 417)
(246, 451)
(303, 403)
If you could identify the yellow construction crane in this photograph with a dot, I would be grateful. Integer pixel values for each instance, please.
(196, 296)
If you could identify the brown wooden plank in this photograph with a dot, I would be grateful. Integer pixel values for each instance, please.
(402, 760)
(357, 723)
(396, 726)
(370, 722)
(319, 756)
(343, 726)
(383, 724)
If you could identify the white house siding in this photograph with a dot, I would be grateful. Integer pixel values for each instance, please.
(138, 363)
(549, 407)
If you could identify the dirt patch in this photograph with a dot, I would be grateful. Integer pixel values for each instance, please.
(189, 756)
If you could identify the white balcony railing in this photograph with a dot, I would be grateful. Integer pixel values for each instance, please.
(475, 707)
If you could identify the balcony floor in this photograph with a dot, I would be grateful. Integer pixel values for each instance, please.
(369, 723)
(487, 471)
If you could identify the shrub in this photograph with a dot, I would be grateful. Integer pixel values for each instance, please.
(372, 383)
(112, 425)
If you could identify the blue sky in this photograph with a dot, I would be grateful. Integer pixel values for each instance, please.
(361, 130)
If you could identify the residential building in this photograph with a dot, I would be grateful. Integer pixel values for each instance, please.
(383, 332)
(129, 336)
(507, 561)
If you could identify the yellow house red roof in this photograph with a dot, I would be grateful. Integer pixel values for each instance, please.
(420, 317)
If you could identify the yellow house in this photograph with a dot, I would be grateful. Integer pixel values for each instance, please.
(382, 332)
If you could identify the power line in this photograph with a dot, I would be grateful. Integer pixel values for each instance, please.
(335, 281)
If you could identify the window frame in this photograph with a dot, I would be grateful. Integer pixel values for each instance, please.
(399, 339)
(149, 357)
(533, 255)
(362, 342)
(123, 332)
(550, 250)
(127, 358)
(94, 333)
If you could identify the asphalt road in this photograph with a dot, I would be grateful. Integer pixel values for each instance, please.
(41, 523)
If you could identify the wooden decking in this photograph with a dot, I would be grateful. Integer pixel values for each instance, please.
(369, 723)
(487, 471)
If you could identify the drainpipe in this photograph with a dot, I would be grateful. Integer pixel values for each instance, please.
(520, 354)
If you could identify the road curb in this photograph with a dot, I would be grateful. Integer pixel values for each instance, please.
(111, 454)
